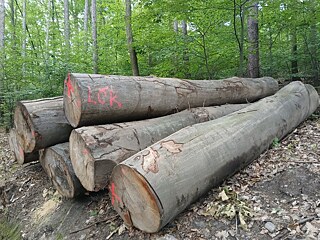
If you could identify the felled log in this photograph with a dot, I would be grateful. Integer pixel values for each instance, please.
(20, 156)
(56, 162)
(41, 123)
(150, 188)
(96, 99)
(96, 150)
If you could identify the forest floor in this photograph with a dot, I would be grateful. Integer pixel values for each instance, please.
(276, 197)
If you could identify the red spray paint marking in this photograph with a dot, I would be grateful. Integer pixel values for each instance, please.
(113, 99)
(21, 152)
(69, 85)
(85, 152)
(89, 97)
(114, 196)
(104, 91)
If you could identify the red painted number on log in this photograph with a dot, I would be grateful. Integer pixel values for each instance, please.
(21, 152)
(102, 94)
(114, 196)
(69, 85)
(85, 152)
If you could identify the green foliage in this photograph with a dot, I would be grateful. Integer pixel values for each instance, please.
(209, 50)
(275, 142)
(9, 230)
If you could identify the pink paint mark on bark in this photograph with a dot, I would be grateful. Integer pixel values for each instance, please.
(69, 85)
(85, 151)
(113, 99)
(21, 152)
(114, 196)
(104, 92)
(89, 97)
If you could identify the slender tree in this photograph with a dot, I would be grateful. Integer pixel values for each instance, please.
(66, 24)
(131, 49)
(294, 55)
(184, 27)
(2, 34)
(94, 35)
(86, 16)
(253, 41)
(24, 36)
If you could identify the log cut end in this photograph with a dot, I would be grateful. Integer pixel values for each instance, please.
(134, 199)
(72, 101)
(56, 163)
(314, 98)
(84, 164)
(24, 126)
(19, 154)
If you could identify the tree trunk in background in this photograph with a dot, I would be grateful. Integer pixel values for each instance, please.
(2, 55)
(56, 162)
(294, 55)
(24, 37)
(132, 51)
(96, 150)
(253, 41)
(239, 38)
(94, 36)
(152, 187)
(91, 99)
(314, 44)
(66, 25)
(86, 16)
(185, 55)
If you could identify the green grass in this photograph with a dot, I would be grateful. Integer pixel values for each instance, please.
(8, 230)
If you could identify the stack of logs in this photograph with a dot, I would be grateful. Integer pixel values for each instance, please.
(157, 144)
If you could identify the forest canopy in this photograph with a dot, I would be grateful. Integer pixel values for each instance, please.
(41, 41)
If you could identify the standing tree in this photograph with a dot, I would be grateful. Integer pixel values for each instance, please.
(2, 33)
(24, 36)
(66, 24)
(132, 51)
(94, 35)
(294, 55)
(253, 40)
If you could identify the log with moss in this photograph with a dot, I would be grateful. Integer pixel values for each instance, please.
(41, 123)
(153, 186)
(91, 99)
(95, 150)
(56, 162)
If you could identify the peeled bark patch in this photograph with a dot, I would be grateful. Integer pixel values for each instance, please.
(56, 162)
(41, 123)
(94, 151)
(211, 152)
(91, 99)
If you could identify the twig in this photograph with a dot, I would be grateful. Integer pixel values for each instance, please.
(112, 233)
(93, 224)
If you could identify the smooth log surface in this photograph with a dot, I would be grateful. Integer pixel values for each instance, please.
(56, 162)
(150, 188)
(95, 150)
(91, 99)
(20, 156)
(41, 123)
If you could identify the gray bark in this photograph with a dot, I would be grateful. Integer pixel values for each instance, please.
(41, 123)
(24, 36)
(98, 99)
(294, 55)
(153, 186)
(131, 49)
(56, 162)
(94, 36)
(107, 145)
(2, 24)
(20, 156)
(86, 16)
(253, 41)
(66, 24)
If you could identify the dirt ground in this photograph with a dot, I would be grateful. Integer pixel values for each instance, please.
(276, 197)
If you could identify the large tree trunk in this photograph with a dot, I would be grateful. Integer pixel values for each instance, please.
(96, 150)
(253, 40)
(41, 123)
(131, 49)
(17, 150)
(56, 162)
(98, 99)
(150, 188)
